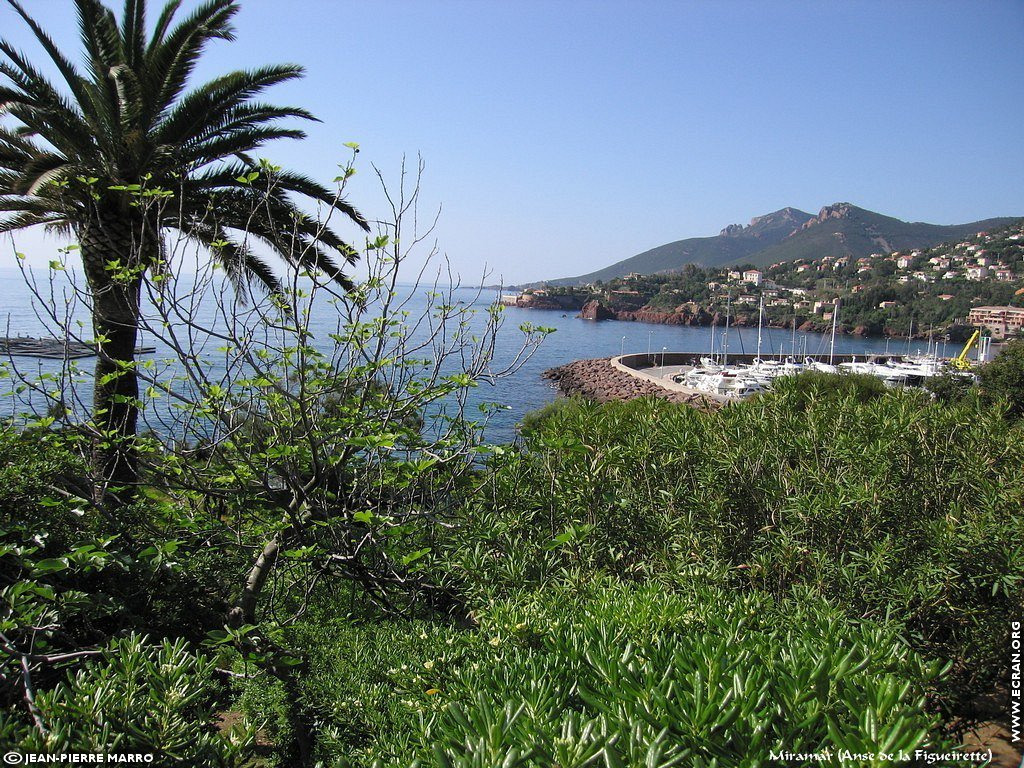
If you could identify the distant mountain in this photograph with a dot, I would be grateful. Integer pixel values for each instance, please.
(841, 229)
(734, 243)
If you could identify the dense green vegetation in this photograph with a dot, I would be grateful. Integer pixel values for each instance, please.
(927, 299)
(636, 583)
(1003, 378)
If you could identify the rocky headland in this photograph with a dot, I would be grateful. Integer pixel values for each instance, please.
(686, 314)
(543, 301)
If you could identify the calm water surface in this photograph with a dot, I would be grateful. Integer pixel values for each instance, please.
(526, 390)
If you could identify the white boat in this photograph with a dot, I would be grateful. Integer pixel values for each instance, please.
(733, 384)
(815, 365)
(923, 367)
(890, 376)
(695, 377)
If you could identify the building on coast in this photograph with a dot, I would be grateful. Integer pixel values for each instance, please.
(1001, 322)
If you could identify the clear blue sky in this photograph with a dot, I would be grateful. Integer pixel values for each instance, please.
(561, 136)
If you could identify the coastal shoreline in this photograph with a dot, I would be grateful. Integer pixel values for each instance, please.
(700, 318)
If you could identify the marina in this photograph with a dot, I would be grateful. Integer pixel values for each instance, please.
(745, 375)
(726, 377)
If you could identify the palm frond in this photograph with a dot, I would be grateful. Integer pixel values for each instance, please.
(251, 115)
(204, 108)
(67, 69)
(163, 23)
(171, 59)
(245, 268)
(133, 31)
(240, 264)
(297, 182)
(234, 143)
(15, 150)
(42, 106)
(40, 170)
(288, 181)
(9, 203)
(129, 96)
(28, 219)
(101, 40)
(297, 238)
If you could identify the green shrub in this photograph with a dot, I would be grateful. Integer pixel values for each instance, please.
(817, 385)
(950, 387)
(150, 570)
(637, 677)
(137, 698)
(1002, 379)
(895, 507)
(638, 579)
(620, 673)
(534, 420)
(719, 685)
(368, 684)
(72, 581)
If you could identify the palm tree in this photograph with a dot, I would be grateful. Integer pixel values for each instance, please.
(122, 153)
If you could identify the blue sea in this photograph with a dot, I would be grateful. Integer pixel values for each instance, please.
(22, 313)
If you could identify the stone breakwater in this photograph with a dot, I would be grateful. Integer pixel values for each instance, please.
(598, 380)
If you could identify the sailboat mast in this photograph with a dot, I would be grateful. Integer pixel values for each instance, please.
(760, 321)
(725, 340)
(835, 319)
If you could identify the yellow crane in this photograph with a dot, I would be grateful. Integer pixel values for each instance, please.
(960, 362)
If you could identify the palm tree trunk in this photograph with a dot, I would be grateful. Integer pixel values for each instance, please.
(108, 251)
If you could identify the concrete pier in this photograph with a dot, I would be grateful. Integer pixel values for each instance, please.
(650, 375)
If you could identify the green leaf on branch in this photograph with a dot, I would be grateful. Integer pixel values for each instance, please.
(412, 557)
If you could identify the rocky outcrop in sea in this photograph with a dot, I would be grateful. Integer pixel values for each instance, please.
(543, 301)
